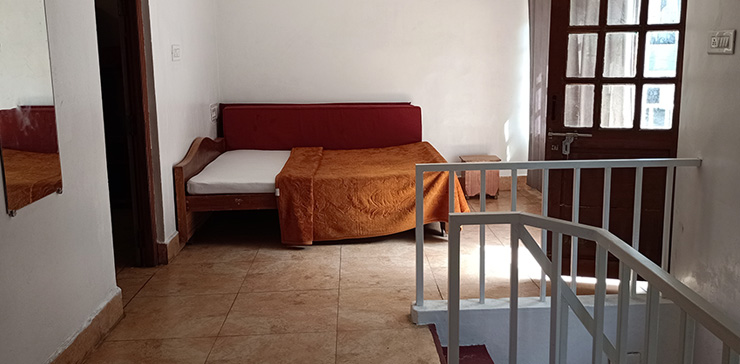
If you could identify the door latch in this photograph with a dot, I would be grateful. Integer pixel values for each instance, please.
(569, 138)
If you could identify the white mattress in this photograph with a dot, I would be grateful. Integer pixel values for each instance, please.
(240, 171)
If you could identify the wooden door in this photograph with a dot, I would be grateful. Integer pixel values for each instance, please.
(615, 81)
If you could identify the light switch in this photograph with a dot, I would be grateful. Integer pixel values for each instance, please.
(721, 42)
(176, 52)
(214, 113)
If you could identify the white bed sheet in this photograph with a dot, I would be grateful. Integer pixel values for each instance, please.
(240, 171)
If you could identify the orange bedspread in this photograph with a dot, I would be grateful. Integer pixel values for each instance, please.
(345, 194)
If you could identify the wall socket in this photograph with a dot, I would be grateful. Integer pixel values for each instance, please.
(721, 42)
(176, 52)
(214, 113)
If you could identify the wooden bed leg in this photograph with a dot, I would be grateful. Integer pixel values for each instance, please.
(443, 229)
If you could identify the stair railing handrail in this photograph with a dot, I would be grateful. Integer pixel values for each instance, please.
(694, 308)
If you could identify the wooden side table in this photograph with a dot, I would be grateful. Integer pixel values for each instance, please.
(471, 179)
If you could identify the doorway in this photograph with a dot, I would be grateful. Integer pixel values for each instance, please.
(613, 93)
(128, 147)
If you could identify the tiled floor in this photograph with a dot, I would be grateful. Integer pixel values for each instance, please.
(236, 295)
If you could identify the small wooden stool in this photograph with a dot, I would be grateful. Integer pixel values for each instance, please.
(471, 179)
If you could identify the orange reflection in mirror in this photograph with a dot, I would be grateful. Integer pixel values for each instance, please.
(30, 154)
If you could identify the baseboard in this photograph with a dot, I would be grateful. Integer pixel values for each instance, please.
(505, 182)
(169, 251)
(92, 334)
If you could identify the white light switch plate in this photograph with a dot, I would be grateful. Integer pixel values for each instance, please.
(176, 52)
(721, 42)
(214, 113)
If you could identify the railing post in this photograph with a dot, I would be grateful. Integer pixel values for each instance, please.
(667, 213)
(606, 211)
(545, 200)
(556, 299)
(636, 214)
(514, 295)
(623, 307)
(599, 298)
(482, 274)
(451, 193)
(514, 188)
(686, 333)
(453, 287)
(729, 356)
(652, 318)
(574, 239)
(419, 237)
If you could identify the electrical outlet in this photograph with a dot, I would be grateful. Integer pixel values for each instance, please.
(176, 52)
(214, 113)
(721, 42)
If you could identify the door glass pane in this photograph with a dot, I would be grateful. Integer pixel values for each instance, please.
(657, 106)
(623, 12)
(584, 12)
(661, 54)
(582, 55)
(579, 106)
(664, 11)
(618, 106)
(620, 55)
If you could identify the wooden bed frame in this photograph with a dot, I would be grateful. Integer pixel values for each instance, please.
(333, 126)
(202, 152)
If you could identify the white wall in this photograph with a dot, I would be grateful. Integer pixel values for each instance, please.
(706, 242)
(24, 55)
(56, 256)
(184, 89)
(464, 62)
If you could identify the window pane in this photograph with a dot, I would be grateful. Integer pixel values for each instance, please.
(623, 12)
(657, 106)
(584, 12)
(661, 54)
(620, 55)
(579, 106)
(618, 106)
(664, 11)
(582, 55)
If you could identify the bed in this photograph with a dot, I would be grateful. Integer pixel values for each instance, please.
(333, 171)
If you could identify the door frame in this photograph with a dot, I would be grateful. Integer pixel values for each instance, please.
(137, 94)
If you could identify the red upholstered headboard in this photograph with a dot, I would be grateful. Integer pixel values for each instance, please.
(29, 128)
(332, 126)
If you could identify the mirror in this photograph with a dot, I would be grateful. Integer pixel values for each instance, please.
(28, 134)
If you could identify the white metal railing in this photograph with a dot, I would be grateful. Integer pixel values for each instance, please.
(576, 165)
(694, 308)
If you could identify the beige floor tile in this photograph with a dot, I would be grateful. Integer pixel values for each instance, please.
(407, 346)
(587, 288)
(195, 279)
(130, 287)
(378, 308)
(170, 351)
(216, 253)
(469, 245)
(282, 312)
(278, 251)
(173, 317)
(393, 246)
(132, 279)
(136, 273)
(496, 286)
(292, 275)
(307, 348)
(366, 272)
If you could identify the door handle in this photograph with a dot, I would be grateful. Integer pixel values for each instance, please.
(569, 138)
